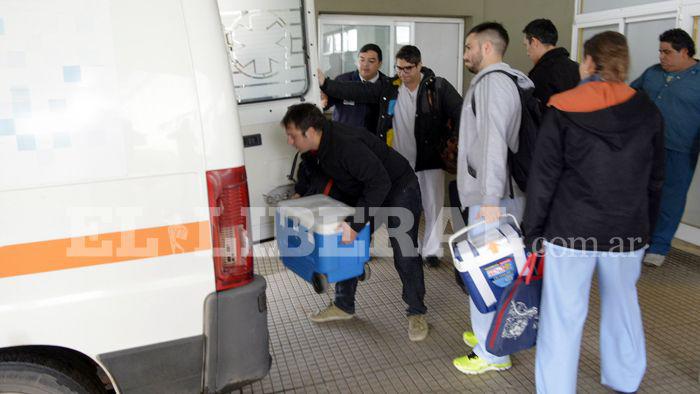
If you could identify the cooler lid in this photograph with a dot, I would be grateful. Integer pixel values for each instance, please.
(318, 213)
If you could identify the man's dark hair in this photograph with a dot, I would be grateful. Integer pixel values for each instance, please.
(303, 116)
(678, 39)
(409, 53)
(494, 32)
(372, 47)
(543, 30)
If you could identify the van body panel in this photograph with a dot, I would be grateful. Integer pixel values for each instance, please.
(168, 368)
(106, 308)
(220, 120)
(106, 93)
(111, 112)
(74, 210)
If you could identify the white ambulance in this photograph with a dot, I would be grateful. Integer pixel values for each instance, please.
(126, 258)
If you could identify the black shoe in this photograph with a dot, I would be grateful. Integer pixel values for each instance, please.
(432, 261)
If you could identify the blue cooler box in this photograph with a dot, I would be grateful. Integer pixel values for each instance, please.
(488, 257)
(309, 241)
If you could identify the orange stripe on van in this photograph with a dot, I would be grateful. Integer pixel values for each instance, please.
(60, 254)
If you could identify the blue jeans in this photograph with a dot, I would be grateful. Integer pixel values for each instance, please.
(680, 167)
(407, 262)
(563, 309)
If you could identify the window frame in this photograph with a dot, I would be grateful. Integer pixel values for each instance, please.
(688, 22)
(392, 22)
(623, 16)
(305, 45)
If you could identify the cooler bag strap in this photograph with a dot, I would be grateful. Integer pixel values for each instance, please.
(328, 187)
(534, 260)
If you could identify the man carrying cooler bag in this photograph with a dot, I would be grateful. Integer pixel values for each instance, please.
(483, 178)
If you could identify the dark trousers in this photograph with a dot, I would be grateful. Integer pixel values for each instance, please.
(406, 259)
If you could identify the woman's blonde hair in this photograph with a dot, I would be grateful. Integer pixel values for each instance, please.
(610, 54)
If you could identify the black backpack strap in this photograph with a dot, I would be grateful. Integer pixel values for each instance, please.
(431, 94)
(294, 168)
(512, 77)
(510, 180)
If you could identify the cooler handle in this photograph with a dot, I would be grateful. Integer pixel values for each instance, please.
(465, 230)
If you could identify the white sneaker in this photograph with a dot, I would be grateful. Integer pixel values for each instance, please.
(654, 260)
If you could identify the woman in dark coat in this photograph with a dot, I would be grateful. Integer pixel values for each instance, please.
(593, 193)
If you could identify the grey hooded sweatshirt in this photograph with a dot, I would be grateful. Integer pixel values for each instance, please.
(484, 138)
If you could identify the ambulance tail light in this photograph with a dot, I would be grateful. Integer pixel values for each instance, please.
(229, 216)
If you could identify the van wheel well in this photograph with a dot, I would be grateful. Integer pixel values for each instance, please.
(71, 362)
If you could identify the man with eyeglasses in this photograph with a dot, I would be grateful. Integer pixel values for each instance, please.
(418, 112)
(369, 61)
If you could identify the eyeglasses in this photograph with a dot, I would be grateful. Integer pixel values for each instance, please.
(406, 69)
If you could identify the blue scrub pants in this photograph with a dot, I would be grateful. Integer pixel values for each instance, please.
(680, 167)
(563, 310)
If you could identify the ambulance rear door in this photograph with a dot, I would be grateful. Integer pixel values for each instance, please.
(273, 58)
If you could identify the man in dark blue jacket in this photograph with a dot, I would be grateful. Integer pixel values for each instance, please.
(352, 113)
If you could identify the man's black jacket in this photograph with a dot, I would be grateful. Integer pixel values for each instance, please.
(438, 109)
(597, 177)
(356, 114)
(554, 73)
(362, 167)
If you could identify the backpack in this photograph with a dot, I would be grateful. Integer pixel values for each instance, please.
(530, 120)
(448, 140)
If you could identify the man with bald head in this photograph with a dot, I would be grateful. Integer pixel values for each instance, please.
(489, 128)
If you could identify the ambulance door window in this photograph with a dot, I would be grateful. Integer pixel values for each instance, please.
(266, 43)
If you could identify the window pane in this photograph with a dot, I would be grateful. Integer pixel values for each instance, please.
(352, 40)
(443, 58)
(403, 35)
(338, 48)
(588, 32)
(643, 40)
(328, 45)
(345, 59)
(602, 5)
(266, 43)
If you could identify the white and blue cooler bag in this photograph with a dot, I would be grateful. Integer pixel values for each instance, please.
(488, 257)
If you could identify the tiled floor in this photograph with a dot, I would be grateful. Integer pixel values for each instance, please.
(372, 353)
